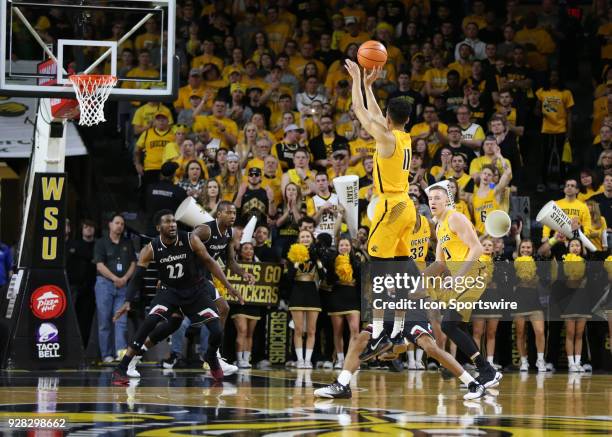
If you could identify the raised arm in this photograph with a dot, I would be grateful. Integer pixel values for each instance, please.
(368, 79)
(385, 141)
(505, 178)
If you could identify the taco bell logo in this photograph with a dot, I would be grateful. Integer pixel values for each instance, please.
(47, 333)
(47, 341)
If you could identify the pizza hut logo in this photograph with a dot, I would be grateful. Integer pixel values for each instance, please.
(48, 302)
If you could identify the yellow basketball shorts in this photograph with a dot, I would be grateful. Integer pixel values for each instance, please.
(392, 224)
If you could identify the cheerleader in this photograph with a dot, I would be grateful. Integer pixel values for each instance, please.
(529, 306)
(304, 300)
(487, 320)
(343, 301)
(245, 316)
(576, 305)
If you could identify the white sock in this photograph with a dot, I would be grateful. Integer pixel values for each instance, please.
(577, 359)
(340, 357)
(239, 356)
(466, 378)
(570, 359)
(398, 325)
(308, 355)
(246, 355)
(377, 328)
(410, 354)
(490, 358)
(540, 356)
(419, 355)
(300, 354)
(524, 360)
(345, 377)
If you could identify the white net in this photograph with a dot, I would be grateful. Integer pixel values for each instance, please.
(91, 92)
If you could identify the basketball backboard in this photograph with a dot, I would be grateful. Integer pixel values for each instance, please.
(88, 37)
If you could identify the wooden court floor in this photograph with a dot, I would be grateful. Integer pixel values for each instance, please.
(280, 403)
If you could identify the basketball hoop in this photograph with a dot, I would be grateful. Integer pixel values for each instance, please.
(91, 91)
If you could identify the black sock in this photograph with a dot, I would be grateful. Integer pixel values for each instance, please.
(479, 361)
(124, 363)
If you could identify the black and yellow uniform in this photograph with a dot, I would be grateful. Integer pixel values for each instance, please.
(344, 297)
(394, 215)
(304, 292)
(481, 207)
(455, 253)
(491, 294)
(526, 293)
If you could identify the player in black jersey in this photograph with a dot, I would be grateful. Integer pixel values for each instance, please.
(184, 291)
(217, 238)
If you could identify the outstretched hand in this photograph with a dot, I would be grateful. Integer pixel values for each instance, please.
(353, 69)
(372, 76)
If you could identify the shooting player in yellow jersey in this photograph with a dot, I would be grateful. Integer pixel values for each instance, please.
(458, 250)
(394, 215)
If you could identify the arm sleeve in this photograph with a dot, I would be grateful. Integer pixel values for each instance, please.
(135, 285)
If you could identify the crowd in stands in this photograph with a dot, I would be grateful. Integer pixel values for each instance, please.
(263, 119)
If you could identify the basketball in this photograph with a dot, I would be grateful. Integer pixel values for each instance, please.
(372, 54)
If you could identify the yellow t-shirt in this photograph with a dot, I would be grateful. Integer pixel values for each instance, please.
(539, 37)
(171, 151)
(296, 179)
(275, 185)
(433, 141)
(356, 147)
(153, 142)
(419, 241)
(184, 93)
(417, 81)
(277, 35)
(207, 122)
(464, 70)
(202, 60)
(464, 209)
(437, 78)
(182, 162)
(229, 189)
(573, 209)
(391, 174)
(479, 20)
(477, 164)
(436, 170)
(555, 104)
(146, 41)
(597, 240)
(590, 193)
(481, 207)
(347, 39)
(139, 73)
(146, 113)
